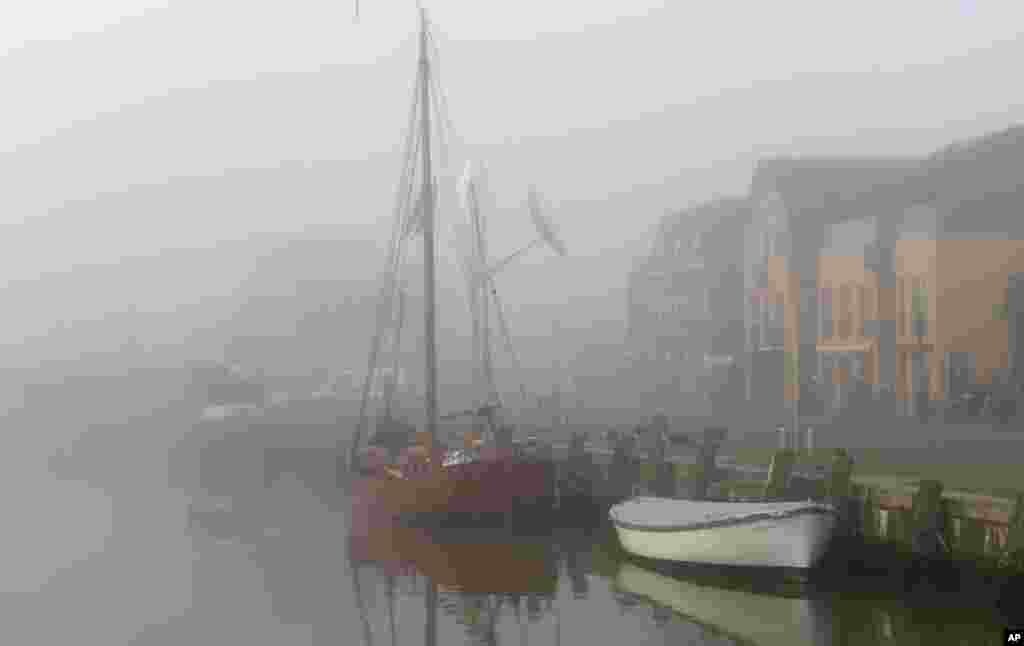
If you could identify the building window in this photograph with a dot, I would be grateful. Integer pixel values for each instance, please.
(825, 305)
(901, 305)
(861, 312)
(845, 312)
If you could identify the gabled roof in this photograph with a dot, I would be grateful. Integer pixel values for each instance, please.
(707, 215)
(1009, 141)
(834, 189)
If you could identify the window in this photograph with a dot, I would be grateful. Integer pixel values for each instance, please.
(845, 312)
(901, 313)
(827, 312)
(919, 307)
(861, 313)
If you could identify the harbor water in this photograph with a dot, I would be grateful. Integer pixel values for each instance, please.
(131, 564)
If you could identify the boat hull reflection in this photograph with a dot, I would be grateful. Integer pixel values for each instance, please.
(763, 619)
(476, 566)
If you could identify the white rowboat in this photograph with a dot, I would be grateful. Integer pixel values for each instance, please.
(758, 534)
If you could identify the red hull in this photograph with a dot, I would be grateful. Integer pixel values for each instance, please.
(493, 485)
(498, 486)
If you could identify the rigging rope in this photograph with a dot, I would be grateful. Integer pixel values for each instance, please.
(386, 299)
(507, 335)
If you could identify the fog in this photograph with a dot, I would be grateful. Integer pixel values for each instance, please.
(213, 181)
(152, 156)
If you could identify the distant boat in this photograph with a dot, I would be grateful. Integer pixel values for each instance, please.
(762, 619)
(758, 534)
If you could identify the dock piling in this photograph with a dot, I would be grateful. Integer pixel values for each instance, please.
(930, 520)
(840, 476)
(707, 463)
(665, 483)
(1013, 556)
(779, 474)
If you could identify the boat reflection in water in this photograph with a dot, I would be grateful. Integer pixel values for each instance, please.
(473, 577)
(763, 619)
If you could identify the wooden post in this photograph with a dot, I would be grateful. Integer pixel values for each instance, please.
(1014, 556)
(930, 522)
(1016, 538)
(839, 491)
(664, 472)
(841, 475)
(779, 474)
(576, 488)
(707, 461)
(869, 521)
(631, 463)
(621, 471)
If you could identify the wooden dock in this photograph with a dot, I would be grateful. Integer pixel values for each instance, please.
(918, 518)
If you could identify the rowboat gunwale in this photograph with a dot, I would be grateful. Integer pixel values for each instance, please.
(724, 522)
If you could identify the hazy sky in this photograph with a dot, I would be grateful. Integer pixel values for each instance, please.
(588, 99)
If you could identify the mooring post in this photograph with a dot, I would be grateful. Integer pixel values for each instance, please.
(708, 460)
(705, 467)
(664, 472)
(839, 491)
(840, 476)
(1014, 556)
(620, 471)
(632, 463)
(779, 474)
(576, 484)
(930, 522)
(869, 520)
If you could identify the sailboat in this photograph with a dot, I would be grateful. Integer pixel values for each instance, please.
(425, 479)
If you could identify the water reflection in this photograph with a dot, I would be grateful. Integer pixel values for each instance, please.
(396, 586)
(762, 619)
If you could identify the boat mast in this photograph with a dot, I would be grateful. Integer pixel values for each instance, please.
(480, 296)
(430, 313)
(392, 386)
(483, 285)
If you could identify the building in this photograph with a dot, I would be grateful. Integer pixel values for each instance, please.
(686, 313)
(912, 302)
(797, 205)
(887, 286)
(958, 273)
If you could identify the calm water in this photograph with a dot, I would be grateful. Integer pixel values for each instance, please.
(119, 564)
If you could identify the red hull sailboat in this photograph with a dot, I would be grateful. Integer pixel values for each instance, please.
(424, 478)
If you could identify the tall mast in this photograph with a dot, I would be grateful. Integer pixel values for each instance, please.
(428, 235)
